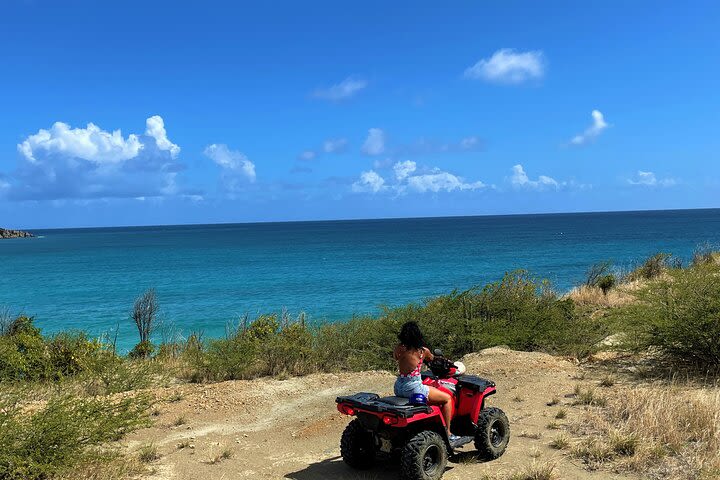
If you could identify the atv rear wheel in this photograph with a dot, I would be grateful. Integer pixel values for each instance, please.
(424, 457)
(493, 433)
(357, 446)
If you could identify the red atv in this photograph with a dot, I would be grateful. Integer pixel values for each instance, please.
(416, 433)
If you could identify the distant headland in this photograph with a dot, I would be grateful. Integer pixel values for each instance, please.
(14, 234)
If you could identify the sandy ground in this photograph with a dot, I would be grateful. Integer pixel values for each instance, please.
(291, 428)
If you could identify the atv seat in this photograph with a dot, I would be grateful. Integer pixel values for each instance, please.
(373, 403)
(397, 401)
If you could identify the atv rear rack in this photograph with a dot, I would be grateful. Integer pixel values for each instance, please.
(372, 402)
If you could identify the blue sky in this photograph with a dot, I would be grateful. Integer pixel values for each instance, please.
(183, 112)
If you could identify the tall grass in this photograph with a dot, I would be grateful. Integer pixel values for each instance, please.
(663, 428)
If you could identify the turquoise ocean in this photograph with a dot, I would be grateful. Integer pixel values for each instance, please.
(208, 275)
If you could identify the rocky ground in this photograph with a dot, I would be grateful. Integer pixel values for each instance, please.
(14, 234)
(269, 428)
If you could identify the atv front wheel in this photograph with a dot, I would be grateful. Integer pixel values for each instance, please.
(423, 457)
(493, 433)
(357, 446)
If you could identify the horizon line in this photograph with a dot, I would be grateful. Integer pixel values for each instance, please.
(420, 217)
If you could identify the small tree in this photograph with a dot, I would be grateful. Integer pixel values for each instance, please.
(596, 273)
(144, 314)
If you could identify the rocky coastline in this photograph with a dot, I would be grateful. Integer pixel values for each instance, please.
(14, 234)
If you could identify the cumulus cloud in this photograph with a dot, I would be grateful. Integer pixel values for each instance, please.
(649, 179)
(341, 91)
(469, 143)
(307, 155)
(438, 180)
(407, 178)
(369, 182)
(374, 143)
(84, 163)
(404, 169)
(335, 145)
(509, 67)
(237, 169)
(592, 131)
(155, 128)
(520, 179)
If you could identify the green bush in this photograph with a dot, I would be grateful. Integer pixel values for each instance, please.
(266, 346)
(142, 350)
(606, 283)
(108, 373)
(25, 355)
(71, 353)
(679, 315)
(654, 266)
(517, 311)
(44, 442)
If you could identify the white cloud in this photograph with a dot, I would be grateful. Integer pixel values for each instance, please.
(155, 127)
(648, 179)
(91, 144)
(335, 145)
(469, 143)
(85, 163)
(438, 181)
(593, 131)
(236, 167)
(406, 179)
(369, 182)
(403, 169)
(345, 89)
(520, 179)
(375, 142)
(307, 155)
(508, 66)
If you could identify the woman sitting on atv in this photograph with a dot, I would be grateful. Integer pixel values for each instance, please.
(410, 353)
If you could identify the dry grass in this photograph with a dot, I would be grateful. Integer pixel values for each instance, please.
(118, 468)
(148, 453)
(181, 420)
(535, 471)
(588, 397)
(224, 455)
(594, 296)
(668, 429)
(561, 442)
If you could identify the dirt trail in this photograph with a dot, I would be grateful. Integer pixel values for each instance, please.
(291, 429)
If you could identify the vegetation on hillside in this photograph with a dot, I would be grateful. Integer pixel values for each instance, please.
(659, 308)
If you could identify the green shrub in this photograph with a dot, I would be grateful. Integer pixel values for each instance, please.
(606, 283)
(71, 353)
(596, 272)
(266, 346)
(706, 253)
(108, 373)
(143, 349)
(44, 442)
(678, 315)
(25, 355)
(653, 267)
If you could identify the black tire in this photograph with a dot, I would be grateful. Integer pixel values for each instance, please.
(493, 433)
(357, 446)
(424, 457)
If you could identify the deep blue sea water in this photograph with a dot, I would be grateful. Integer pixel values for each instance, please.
(208, 275)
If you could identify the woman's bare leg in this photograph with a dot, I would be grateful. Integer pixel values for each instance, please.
(444, 400)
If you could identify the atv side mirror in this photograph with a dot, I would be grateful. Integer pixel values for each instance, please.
(437, 352)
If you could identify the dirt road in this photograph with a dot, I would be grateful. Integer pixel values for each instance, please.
(290, 428)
